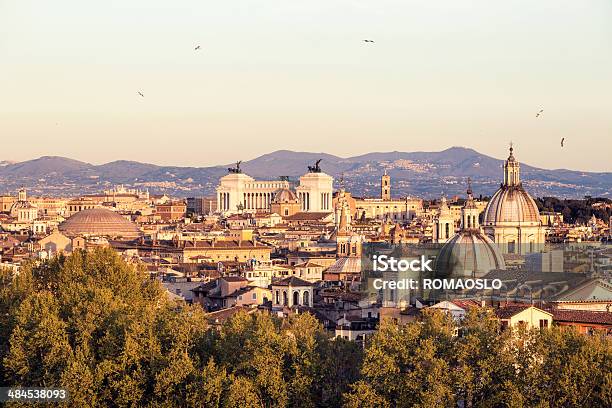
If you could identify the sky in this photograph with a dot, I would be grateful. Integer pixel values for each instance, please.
(297, 75)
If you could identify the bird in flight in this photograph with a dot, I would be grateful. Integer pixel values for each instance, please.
(197, 48)
(539, 113)
(141, 94)
(368, 41)
(562, 140)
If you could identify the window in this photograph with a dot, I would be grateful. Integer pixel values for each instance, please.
(254, 295)
(543, 323)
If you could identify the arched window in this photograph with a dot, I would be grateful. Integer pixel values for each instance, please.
(296, 298)
(306, 298)
(277, 297)
(285, 298)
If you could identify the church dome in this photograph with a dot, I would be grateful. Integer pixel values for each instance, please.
(511, 204)
(284, 195)
(99, 222)
(469, 253)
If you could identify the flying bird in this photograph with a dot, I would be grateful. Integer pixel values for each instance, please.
(141, 94)
(539, 113)
(562, 140)
(368, 41)
(197, 48)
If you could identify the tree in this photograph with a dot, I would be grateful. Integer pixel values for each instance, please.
(107, 333)
(206, 390)
(242, 394)
(38, 346)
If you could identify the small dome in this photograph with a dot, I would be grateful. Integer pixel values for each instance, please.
(100, 222)
(511, 204)
(469, 253)
(285, 195)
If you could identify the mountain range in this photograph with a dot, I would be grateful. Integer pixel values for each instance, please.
(424, 174)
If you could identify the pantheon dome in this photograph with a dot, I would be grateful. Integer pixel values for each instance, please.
(99, 222)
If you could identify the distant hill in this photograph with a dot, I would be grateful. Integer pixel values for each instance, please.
(44, 166)
(425, 174)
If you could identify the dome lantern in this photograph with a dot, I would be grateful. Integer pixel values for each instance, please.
(512, 170)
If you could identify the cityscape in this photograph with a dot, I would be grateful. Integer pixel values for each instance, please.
(286, 249)
(306, 204)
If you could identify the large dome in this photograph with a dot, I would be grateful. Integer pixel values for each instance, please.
(469, 253)
(511, 204)
(100, 222)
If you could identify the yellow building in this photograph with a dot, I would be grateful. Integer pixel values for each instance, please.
(218, 251)
(6, 202)
(285, 203)
(526, 316)
(80, 204)
(56, 243)
(385, 207)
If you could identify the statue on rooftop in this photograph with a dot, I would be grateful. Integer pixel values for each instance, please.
(237, 169)
(315, 168)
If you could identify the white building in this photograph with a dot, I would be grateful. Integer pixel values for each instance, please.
(239, 192)
(315, 192)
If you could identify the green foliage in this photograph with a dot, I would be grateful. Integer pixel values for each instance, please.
(576, 211)
(100, 328)
(422, 364)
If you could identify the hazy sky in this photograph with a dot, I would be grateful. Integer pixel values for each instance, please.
(290, 74)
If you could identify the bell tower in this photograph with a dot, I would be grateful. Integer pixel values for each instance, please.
(22, 195)
(444, 226)
(385, 187)
(469, 212)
